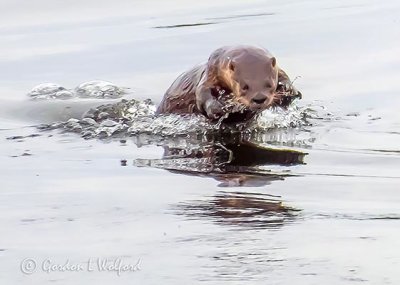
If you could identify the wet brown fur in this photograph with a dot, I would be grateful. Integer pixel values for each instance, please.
(246, 75)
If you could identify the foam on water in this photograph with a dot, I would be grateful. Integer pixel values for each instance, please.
(134, 117)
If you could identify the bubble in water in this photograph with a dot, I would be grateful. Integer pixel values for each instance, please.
(50, 91)
(99, 89)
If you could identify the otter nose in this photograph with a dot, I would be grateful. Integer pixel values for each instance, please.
(259, 99)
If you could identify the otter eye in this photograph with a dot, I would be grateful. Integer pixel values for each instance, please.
(245, 87)
(268, 86)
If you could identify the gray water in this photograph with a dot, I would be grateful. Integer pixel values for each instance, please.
(332, 217)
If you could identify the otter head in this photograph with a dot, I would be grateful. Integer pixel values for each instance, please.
(252, 76)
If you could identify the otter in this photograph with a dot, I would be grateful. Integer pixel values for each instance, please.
(240, 81)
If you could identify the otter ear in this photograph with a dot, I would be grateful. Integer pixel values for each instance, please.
(273, 62)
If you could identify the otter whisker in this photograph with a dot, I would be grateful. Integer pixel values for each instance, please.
(291, 82)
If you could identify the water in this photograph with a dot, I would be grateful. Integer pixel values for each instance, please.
(318, 202)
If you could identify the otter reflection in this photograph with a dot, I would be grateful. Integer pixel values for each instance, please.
(231, 161)
(242, 209)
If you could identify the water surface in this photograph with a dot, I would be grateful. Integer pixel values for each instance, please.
(331, 218)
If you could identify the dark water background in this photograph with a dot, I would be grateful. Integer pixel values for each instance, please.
(63, 197)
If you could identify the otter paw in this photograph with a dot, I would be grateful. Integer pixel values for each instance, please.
(214, 109)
